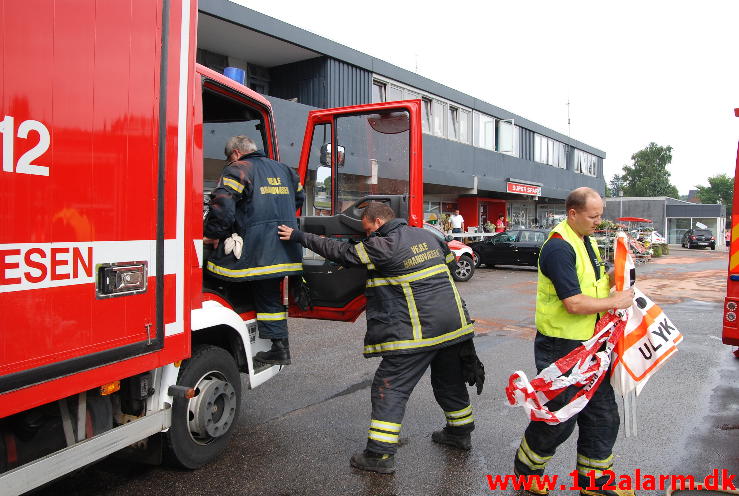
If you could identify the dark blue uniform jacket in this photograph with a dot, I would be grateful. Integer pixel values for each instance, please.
(412, 302)
(254, 196)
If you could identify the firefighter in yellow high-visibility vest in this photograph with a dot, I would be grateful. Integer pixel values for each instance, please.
(573, 289)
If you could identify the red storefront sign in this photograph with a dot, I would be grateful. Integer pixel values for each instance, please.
(524, 189)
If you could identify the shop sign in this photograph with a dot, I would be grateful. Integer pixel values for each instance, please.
(524, 189)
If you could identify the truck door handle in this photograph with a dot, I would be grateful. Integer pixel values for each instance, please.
(121, 279)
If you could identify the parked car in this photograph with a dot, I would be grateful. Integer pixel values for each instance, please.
(698, 238)
(515, 247)
(465, 267)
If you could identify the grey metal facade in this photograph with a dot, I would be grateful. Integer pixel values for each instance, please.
(659, 209)
(322, 82)
(259, 22)
(340, 76)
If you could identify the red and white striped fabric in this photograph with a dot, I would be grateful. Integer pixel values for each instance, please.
(587, 367)
(637, 341)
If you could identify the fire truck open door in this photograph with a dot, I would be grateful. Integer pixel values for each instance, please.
(351, 156)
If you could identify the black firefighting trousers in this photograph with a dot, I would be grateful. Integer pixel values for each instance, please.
(262, 295)
(394, 381)
(598, 423)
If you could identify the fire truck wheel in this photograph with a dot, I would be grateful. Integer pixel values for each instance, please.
(202, 426)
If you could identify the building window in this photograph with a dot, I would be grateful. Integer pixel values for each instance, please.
(585, 163)
(437, 116)
(441, 117)
(394, 93)
(453, 123)
(411, 95)
(378, 92)
(506, 137)
(483, 131)
(549, 151)
(426, 115)
(465, 126)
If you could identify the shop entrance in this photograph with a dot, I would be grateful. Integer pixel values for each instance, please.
(479, 212)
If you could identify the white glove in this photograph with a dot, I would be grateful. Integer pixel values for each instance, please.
(234, 244)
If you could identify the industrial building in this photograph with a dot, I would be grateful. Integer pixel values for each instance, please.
(479, 158)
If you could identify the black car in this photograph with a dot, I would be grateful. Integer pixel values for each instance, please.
(698, 238)
(515, 247)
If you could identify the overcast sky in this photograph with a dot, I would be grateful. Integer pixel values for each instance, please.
(633, 71)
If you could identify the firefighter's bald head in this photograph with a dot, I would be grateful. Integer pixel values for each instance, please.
(376, 214)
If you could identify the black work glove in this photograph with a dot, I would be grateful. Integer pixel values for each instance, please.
(473, 370)
(301, 294)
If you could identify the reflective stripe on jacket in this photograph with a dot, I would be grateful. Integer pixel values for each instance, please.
(552, 318)
(253, 197)
(412, 302)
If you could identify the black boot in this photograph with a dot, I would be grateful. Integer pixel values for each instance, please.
(278, 354)
(374, 462)
(459, 441)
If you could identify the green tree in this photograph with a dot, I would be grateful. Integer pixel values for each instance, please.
(327, 185)
(648, 175)
(615, 185)
(720, 189)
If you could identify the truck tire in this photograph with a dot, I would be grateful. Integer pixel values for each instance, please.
(464, 269)
(202, 426)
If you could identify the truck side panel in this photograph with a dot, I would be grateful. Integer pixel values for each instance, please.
(93, 137)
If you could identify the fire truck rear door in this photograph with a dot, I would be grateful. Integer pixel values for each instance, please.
(81, 174)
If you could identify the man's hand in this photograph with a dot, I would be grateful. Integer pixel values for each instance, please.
(623, 299)
(284, 232)
(210, 241)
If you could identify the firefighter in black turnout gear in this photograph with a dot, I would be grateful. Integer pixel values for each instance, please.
(254, 195)
(415, 318)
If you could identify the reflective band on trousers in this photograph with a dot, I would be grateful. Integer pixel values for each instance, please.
(604, 464)
(384, 432)
(529, 458)
(272, 316)
(460, 417)
(385, 426)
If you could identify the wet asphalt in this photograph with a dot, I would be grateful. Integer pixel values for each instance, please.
(298, 430)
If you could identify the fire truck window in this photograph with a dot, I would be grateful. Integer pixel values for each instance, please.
(224, 117)
(377, 157)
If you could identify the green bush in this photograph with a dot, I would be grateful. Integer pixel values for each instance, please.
(656, 250)
(665, 249)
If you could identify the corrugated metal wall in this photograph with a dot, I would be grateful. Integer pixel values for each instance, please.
(347, 84)
(526, 144)
(322, 82)
(304, 80)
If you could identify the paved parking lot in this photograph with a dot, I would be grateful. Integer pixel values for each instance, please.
(299, 430)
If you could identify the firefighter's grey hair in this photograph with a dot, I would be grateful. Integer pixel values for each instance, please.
(244, 144)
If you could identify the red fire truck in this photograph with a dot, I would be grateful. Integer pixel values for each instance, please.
(731, 302)
(111, 134)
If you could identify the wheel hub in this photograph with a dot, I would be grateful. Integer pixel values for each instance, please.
(463, 268)
(212, 411)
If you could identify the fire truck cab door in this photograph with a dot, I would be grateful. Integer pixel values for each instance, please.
(351, 156)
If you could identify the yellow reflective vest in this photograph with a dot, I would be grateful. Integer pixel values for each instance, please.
(552, 318)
